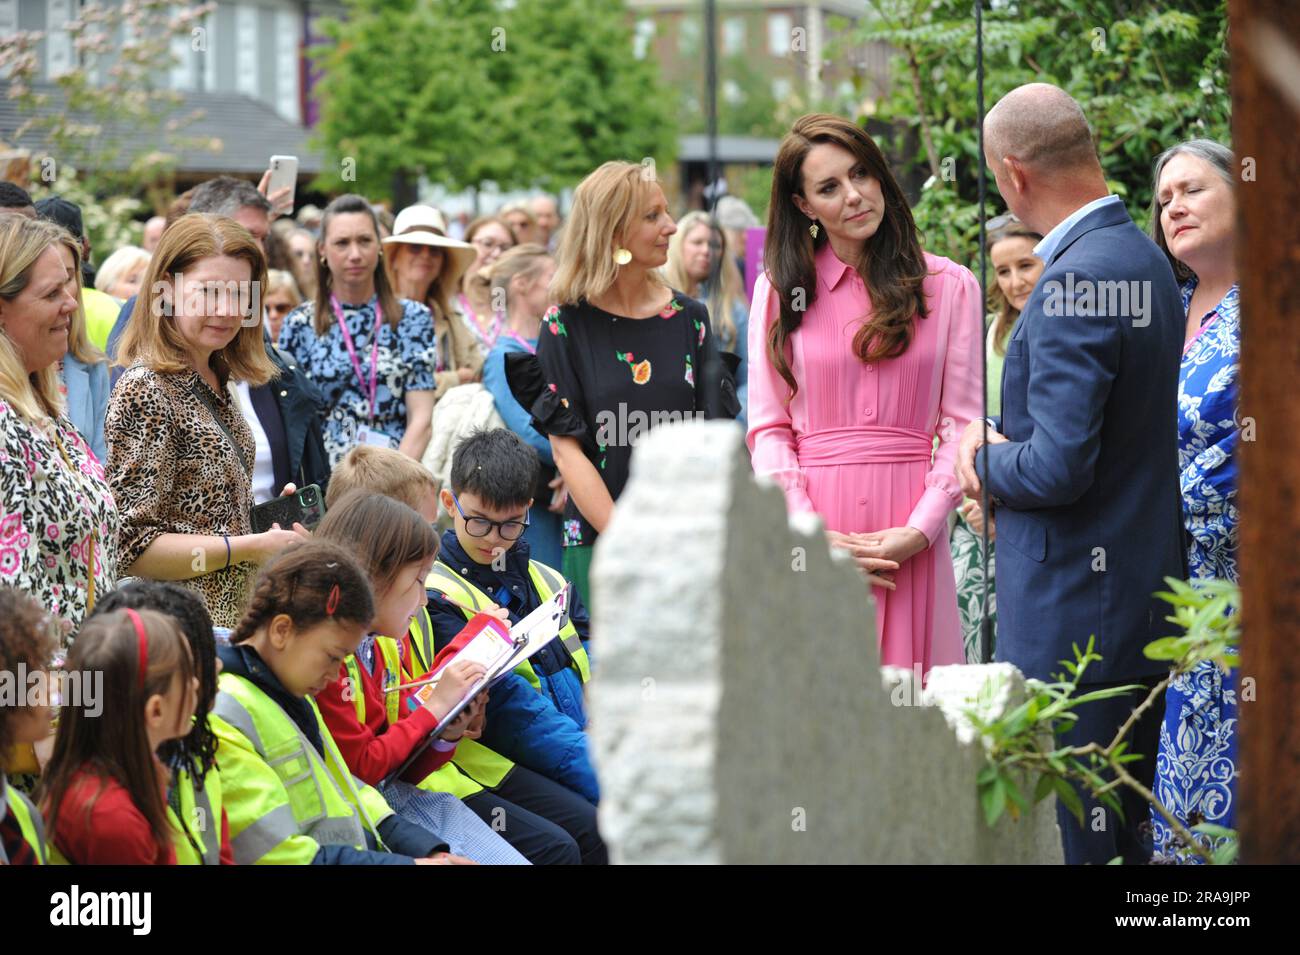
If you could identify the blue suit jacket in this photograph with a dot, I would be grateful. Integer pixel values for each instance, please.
(1086, 488)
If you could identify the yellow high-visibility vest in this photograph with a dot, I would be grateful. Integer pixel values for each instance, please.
(30, 824)
(283, 800)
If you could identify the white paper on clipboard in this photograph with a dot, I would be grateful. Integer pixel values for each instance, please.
(539, 628)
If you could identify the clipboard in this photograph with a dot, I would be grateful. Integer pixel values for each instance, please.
(526, 638)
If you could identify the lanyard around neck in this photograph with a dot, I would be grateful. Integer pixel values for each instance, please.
(372, 391)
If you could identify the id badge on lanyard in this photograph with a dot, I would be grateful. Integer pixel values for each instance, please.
(366, 433)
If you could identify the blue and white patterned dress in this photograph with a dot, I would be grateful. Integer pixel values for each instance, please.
(1196, 768)
(406, 362)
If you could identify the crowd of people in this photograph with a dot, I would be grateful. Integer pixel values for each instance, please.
(449, 390)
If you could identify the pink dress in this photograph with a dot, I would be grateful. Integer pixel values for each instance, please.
(856, 444)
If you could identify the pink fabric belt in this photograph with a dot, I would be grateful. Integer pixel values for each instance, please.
(863, 446)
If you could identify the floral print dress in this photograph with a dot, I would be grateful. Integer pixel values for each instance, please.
(407, 359)
(58, 520)
(607, 379)
(1196, 767)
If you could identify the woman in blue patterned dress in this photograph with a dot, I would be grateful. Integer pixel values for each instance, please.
(1192, 220)
(371, 354)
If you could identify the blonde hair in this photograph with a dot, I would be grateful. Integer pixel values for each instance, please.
(279, 280)
(526, 260)
(35, 395)
(151, 336)
(605, 205)
(725, 292)
(79, 345)
(118, 265)
(381, 471)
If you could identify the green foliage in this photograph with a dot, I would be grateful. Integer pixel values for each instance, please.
(1021, 745)
(122, 51)
(1147, 77)
(531, 93)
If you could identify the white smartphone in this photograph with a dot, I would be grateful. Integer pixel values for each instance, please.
(284, 172)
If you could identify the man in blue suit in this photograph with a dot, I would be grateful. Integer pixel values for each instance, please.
(1082, 467)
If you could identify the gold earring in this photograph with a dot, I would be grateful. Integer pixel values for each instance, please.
(622, 256)
(813, 230)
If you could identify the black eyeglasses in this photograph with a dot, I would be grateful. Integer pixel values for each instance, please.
(481, 526)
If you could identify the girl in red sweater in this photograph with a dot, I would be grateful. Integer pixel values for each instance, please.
(397, 548)
(105, 790)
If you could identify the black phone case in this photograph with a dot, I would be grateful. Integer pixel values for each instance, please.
(306, 507)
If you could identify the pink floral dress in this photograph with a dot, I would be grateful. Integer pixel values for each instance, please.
(58, 521)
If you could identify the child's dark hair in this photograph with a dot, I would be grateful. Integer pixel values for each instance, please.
(309, 582)
(28, 639)
(113, 741)
(384, 533)
(197, 752)
(497, 466)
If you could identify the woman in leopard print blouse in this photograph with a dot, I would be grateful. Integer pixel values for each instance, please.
(180, 453)
(58, 522)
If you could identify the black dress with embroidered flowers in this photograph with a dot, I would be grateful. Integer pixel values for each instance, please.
(606, 379)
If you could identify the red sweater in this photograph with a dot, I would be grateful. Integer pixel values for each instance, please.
(106, 828)
(375, 748)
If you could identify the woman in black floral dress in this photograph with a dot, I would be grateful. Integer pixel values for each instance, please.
(621, 352)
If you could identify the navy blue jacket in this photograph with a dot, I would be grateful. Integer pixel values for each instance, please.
(1086, 489)
(405, 840)
(541, 731)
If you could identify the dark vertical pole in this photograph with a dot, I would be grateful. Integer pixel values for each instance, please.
(1264, 43)
(986, 622)
(711, 98)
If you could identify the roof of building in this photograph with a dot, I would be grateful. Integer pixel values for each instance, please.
(241, 133)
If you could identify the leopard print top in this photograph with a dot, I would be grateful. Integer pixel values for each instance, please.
(173, 471)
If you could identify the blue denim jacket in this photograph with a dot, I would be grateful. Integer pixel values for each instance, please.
(88, 401)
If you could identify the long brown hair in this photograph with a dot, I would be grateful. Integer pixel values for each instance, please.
(383, 533)
(152, 337)
(114, 743)
(300, 582)
(891, 264)
(1004, 313)
(389, 303)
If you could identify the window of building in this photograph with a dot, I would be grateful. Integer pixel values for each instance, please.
(780, 27)
(733, 35)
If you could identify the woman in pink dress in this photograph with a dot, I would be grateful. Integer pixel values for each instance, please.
(862, 350)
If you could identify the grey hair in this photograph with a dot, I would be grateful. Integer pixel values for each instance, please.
(1219, 158)
(225, 195)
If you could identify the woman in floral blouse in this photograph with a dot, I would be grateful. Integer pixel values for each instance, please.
(620, 353)
(372, 354)
(1192, 220)
(58, 521)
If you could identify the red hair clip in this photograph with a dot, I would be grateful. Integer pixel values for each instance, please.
(332, 602)
(142, 639)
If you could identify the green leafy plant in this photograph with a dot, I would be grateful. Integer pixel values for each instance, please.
(1147, 77)
(1021, 746)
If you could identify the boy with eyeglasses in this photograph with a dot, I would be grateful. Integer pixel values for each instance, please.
(536, 716)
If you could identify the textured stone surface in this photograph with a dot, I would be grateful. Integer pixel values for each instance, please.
(739, 712)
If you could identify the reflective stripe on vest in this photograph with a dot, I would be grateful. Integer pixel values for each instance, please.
(30, 824)
(197, 807)
(547, 582)
(387, 648)
(324, 801)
